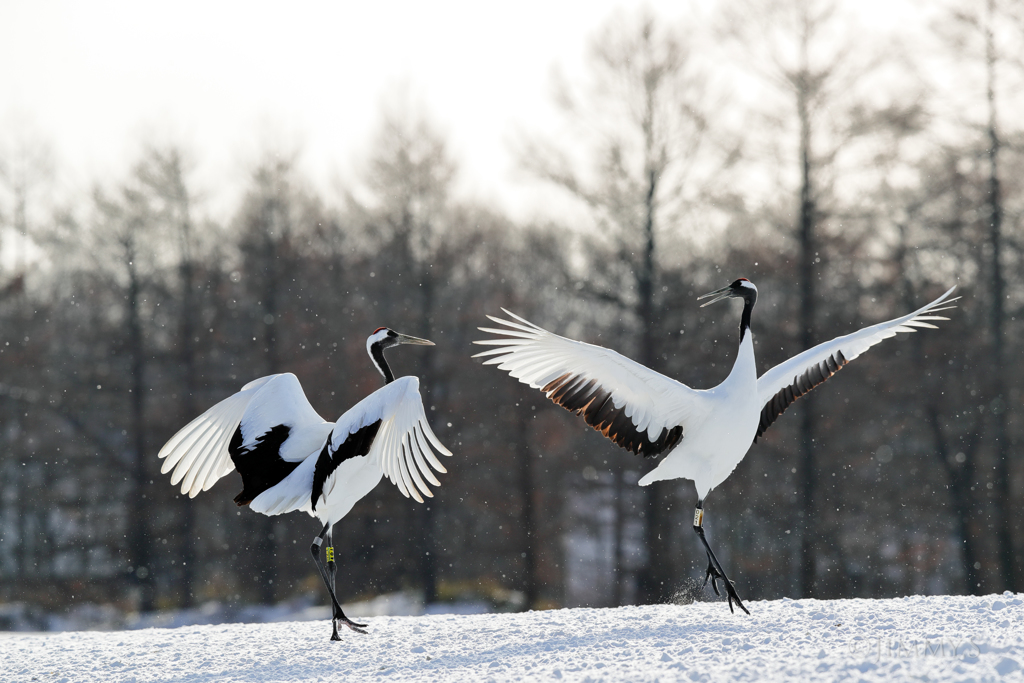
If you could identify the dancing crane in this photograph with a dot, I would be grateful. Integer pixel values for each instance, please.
(290, 458)
(704, 433)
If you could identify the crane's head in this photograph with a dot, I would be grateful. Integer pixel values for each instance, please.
(384, 338)
(740, 289)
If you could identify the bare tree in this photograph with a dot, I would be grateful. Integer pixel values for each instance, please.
(162, 174)
(26, 173)
(652, 164)
(986, 38)
(803, 50)
(409, 177)
(122, 237)
(268, 224)
(1004, 533)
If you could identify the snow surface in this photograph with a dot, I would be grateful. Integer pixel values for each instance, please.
(915, 638)
(20, 616)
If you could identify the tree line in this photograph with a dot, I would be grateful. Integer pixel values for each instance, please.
(848, 200)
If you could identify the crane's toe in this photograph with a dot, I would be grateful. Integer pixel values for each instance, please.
(731, 590)
(358, 628)
(713, 575)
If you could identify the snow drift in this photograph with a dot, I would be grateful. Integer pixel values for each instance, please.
(919, 638)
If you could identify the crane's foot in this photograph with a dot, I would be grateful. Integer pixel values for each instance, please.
(358, 628)
(328, 577)
(340, 616)
(714, 570)
(715, 573)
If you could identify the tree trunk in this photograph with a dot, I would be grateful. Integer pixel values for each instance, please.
(961, 471)
(959, 467)
(618, 471)
(427, 512)
(265, 545)
(1001, 474)
(654, 581)
(186, 510)
(139, 543)
(807, 476)
(527, 517)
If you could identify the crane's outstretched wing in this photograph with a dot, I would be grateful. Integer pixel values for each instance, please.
(265, 425)
(788, 381)
(637, 408)
(390, 426)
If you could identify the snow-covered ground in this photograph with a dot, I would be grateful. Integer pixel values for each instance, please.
(914, 638)
(92, 617)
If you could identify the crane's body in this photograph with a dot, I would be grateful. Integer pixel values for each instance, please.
(291, 459)
(356, 475)
(723, 422)
(703, 434)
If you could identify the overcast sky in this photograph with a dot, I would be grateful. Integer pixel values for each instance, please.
(96, 79)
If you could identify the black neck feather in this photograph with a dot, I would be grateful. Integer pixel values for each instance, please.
(749, 299)
(377, 353)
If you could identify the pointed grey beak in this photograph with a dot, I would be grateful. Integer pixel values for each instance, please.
(406, 339)
(719, 294)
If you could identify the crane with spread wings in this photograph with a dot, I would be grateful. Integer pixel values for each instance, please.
(703, 434)
(291, 459)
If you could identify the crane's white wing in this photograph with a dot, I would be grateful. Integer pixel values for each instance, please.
(788, 381)
(199, 452)
(391, 428)
(634, 406)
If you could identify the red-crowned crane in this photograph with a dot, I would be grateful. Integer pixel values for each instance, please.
(290, 458)
(704, 433)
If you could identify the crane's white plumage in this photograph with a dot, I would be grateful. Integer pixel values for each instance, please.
(850, 346)
(537, 357)
(292, 459)
(402, 450)
(717, 425)
(404, 445)
(704, 434)
(198, 453)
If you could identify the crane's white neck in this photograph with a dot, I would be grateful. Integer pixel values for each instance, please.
(745, 356)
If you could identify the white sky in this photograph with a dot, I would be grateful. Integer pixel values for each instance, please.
(228, 80)
(96, 79)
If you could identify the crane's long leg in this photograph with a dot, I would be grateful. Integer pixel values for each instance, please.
(332, 570)
(715, 571)
(338, 612)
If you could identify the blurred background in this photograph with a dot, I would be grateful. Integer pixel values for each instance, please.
(192, 197)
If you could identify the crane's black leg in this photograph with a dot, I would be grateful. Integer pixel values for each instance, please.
(332, 570)
(715, 571)
(328, 581)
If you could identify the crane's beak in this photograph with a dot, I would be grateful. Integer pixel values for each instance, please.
(719, 294)
(406, 339)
